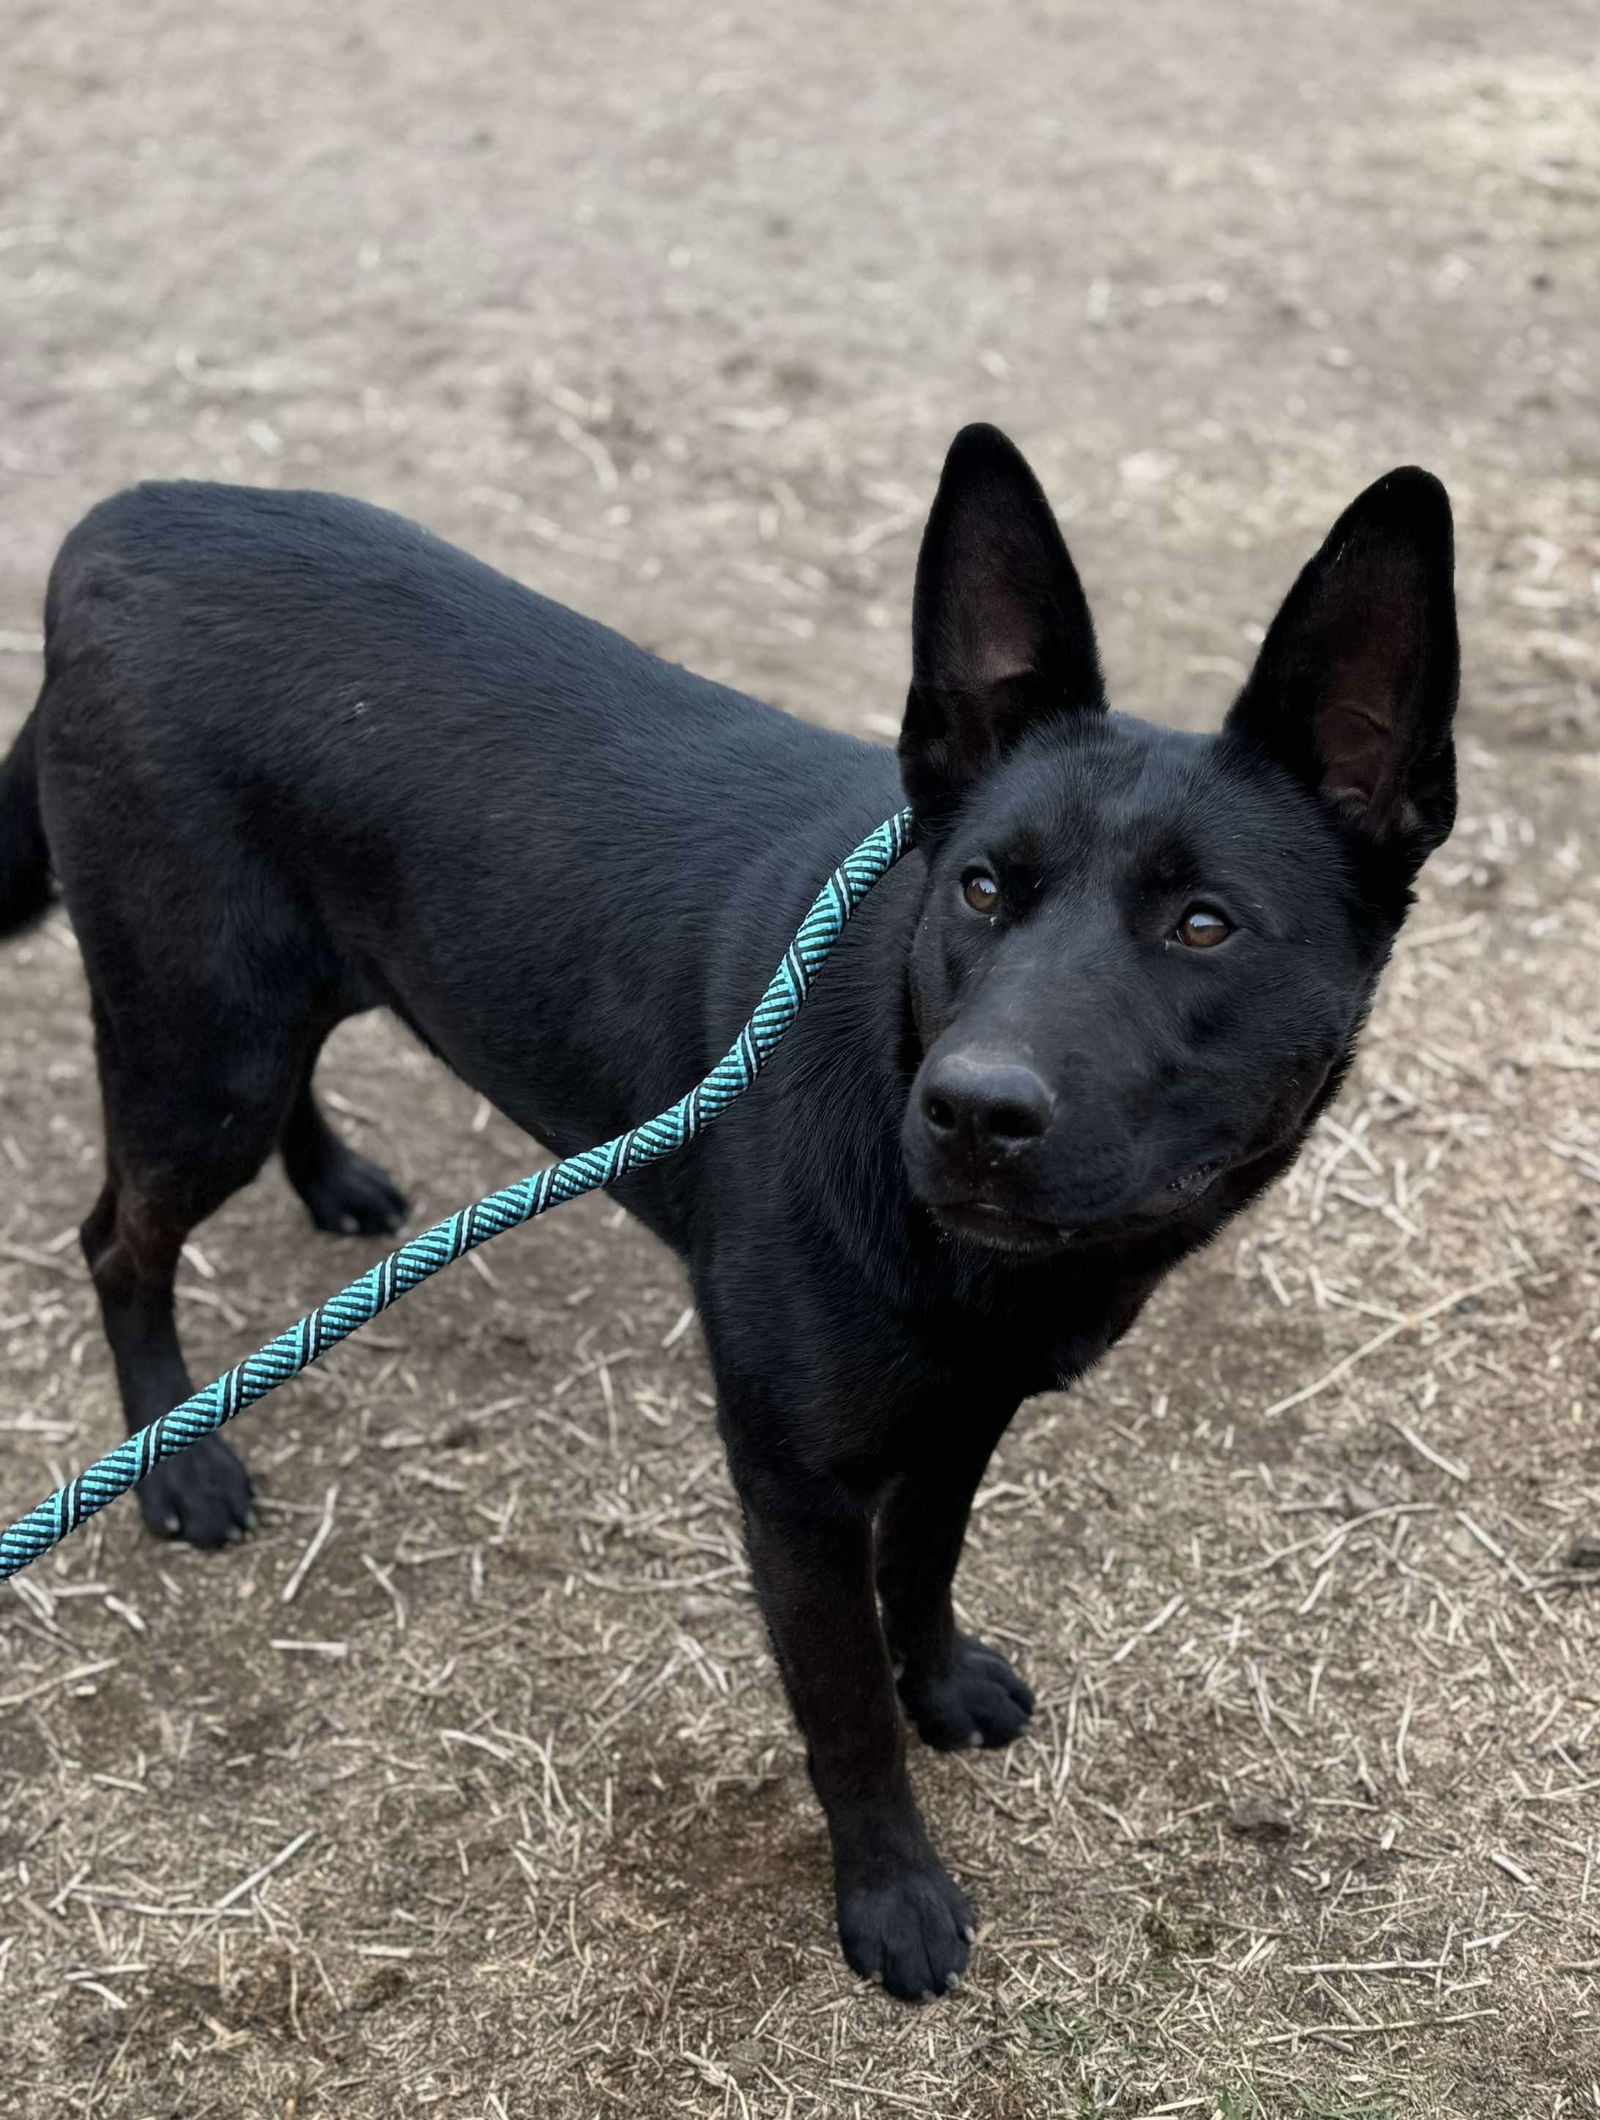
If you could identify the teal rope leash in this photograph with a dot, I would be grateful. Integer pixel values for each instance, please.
(396, 1275)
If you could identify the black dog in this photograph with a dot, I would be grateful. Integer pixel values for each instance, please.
(295, 758)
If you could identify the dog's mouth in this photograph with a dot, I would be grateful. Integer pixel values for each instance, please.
(998, 1229)
(980, 1221)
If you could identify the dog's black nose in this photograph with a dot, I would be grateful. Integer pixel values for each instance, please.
(985, 1104)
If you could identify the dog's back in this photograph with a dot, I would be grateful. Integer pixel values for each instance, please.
(310, 720)
(344, 655)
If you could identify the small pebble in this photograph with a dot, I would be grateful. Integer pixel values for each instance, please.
(1261, 1818)
(1584, 1552)
(743, 2058)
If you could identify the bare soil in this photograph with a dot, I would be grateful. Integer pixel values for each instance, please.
(672, 312)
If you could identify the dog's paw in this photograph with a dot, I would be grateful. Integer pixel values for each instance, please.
(350, 1197)
(912, 1933)
(202, 1496)
(978, 1700)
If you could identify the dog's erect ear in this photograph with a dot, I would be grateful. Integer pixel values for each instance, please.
(1355, 685)
(1001, 635)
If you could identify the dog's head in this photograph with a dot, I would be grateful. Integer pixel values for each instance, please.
(1144, 955)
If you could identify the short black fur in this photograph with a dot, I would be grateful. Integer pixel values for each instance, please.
(294, 758)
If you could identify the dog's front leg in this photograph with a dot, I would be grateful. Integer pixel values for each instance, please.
(901, 1919)
(956, 1689)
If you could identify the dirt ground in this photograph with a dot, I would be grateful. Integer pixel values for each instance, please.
(492, 1809)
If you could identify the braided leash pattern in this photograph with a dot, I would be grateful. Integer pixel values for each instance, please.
(396, 1275)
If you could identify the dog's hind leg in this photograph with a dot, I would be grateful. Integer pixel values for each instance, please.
(192, 1112)
(344, 1193)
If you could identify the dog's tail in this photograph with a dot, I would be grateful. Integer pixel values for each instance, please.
(25, 886)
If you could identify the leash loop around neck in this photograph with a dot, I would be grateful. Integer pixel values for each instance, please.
(397, 1274)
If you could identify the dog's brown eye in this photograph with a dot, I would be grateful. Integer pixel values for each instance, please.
(981, 891)
(1202, 929)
